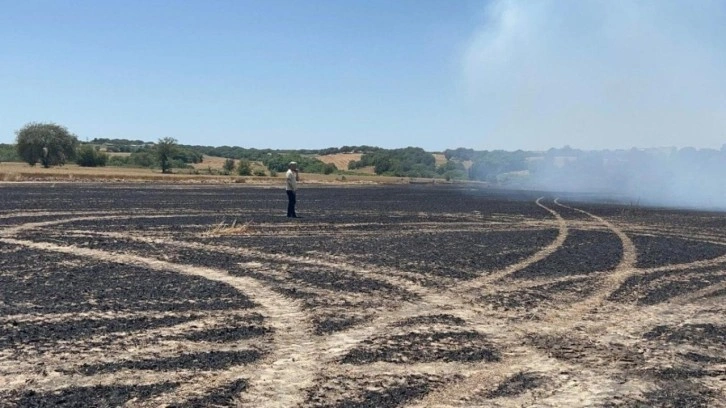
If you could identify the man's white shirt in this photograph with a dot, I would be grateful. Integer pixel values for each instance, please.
(291, 181)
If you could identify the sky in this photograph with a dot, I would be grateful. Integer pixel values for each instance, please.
(438, 74)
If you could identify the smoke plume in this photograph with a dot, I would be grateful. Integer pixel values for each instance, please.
(608, 75)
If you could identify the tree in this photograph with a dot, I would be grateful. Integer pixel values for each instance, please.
(228, 166)
(165, 149)
(47, 143)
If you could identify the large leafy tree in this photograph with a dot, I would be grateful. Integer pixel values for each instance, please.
(47, 143)
(165, 149)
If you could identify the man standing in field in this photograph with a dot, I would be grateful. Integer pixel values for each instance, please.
(291, 187)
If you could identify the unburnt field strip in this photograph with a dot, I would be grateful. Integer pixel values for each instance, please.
(148, 295)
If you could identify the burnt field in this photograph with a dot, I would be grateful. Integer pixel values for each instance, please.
(416, 296)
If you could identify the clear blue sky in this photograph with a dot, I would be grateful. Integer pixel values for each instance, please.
(310, 74)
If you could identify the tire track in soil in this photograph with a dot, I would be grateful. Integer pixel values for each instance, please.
(432, 302)
(137, 347)
(389, 275)
(611, 281)
(700, 295)
(608, 317)
(488, 279)
(255, 400)
(689, 265)
(435, 302)
(16, 229)
(453, 301)
(627, 269)
(445, 301)
(49, 381)
(274, 383)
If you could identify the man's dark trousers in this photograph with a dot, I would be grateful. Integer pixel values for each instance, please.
(291, 203)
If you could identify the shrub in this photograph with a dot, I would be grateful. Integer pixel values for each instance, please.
(119, 161)
(244, 168)
(329, 168)
(260, 172)
(88, 156)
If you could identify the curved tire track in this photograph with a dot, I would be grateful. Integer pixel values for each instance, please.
(274, 384)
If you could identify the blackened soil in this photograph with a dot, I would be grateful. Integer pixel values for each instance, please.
(8, 222)
(391, 397)
(517, 384)
(336, 205)
(657, 287)
(227, 334)
(679, 395)
(585, 351)
(432, 319)
(424, 347)
(582, 252)
(697, 334)
(83, 397)
(673, 394)
(660, 251)
(679, 373)
(340, 281)
(575, 288)
(437, 235)
(223, 396)
(712, 223)
(460, 255)
(702, 358)
(524, 299)
(227, 330)
(715, 294)
(33, 283)
(42, 335)
(212, 360)
(328, 324)
(370, 392)
(164, 222)
(540, 296)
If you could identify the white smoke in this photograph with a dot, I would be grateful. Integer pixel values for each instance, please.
(600, 74)
(607, 75)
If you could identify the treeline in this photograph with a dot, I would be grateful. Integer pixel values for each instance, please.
(121, 145)
(147, 156)
(252, 154)
(9, 153)
(492, 165)
(407, 162)
(277, 160)
(306, 164)
(686, 172)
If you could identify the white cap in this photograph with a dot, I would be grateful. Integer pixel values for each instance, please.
(293, 163)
